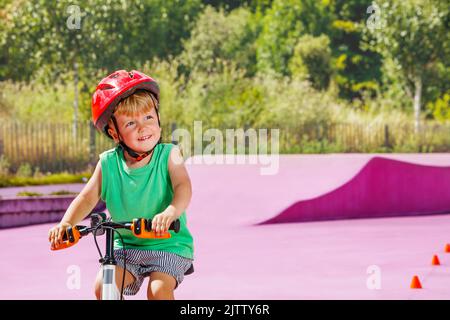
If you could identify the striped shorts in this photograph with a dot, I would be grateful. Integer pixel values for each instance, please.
(140, 263)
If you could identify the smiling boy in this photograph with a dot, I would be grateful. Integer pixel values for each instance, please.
(140, 177)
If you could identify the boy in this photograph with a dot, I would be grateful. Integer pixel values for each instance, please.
(141, 177)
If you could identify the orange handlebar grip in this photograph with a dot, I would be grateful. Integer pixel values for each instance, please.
(140, 230)
(71, 238)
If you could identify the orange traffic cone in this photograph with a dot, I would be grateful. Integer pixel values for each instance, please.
(447, 248)
(435, 261)
(415, 283)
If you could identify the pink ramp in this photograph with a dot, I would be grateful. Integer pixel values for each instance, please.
(305, 178)
(383, 188)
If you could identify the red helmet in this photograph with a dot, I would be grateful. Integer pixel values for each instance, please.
(115, 87)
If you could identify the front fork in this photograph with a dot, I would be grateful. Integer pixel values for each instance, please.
(109, 287)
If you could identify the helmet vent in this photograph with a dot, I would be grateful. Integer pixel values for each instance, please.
(105, 86)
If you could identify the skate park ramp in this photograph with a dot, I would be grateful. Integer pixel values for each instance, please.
(328, 187)
(382, 188)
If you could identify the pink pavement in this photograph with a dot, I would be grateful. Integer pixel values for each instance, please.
(237, 259)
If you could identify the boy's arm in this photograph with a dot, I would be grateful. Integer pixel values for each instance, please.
(182, 193)
(181, 183)
(86, 200)
(80, 207)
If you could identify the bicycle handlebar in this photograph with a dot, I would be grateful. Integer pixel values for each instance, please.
(141, 228)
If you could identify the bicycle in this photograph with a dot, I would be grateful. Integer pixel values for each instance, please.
(141, 228)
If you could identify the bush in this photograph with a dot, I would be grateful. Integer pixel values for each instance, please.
(440, 108)
(57, 178)
(62, 193)
(293, 103)
(29, 194)
(24, 171)
(4, 166)
(35, 101)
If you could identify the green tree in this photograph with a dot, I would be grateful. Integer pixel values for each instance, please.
(414, 35)
(219, 37)
(312, 59)
(52, 39)
(357, 69)
(282, 25)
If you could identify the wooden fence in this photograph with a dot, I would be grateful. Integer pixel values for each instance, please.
(56, 147)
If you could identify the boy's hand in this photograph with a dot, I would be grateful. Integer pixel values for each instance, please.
(56, 233)
(162, 221)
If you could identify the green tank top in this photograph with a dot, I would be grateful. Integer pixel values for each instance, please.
(142, 193)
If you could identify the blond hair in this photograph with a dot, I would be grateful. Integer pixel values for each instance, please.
(138, 103)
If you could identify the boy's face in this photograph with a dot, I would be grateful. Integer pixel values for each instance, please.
(141, 132)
